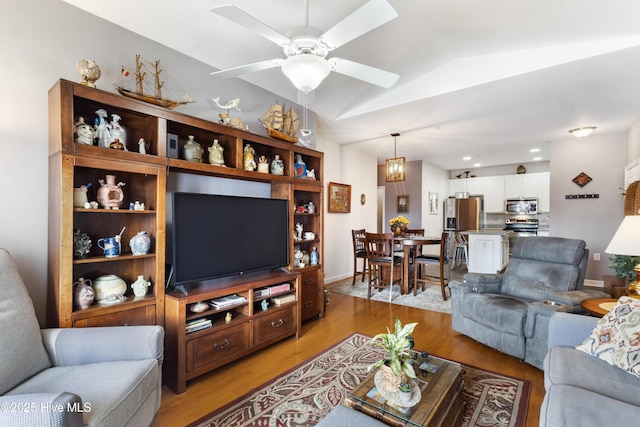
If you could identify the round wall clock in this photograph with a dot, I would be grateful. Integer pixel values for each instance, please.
(521, 169)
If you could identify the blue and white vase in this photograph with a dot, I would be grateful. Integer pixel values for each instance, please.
(140, 243)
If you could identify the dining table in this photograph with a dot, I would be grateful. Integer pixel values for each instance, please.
(409, 241)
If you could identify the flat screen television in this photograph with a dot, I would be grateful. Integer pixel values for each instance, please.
(216, 235)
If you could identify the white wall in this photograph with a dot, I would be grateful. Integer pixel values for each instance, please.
(602, 157)
(359, 169)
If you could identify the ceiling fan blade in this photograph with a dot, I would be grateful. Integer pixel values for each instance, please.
(249, 68)
(363, 72)
(371, 15)
(247, 21)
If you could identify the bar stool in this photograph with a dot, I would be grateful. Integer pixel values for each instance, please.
(460, 250)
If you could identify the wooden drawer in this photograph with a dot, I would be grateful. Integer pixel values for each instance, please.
(274, 324)
(310, 297)
(134, 317)
(218, 346)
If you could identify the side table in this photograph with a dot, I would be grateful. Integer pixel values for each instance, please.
(593, 305)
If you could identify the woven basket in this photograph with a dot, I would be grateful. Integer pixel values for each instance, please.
(632, 199)
(391, 381)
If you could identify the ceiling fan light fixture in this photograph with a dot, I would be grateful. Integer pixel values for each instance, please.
(582, 132)
(306, 71)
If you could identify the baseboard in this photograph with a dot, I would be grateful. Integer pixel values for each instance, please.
(594, 283)
(328, 280)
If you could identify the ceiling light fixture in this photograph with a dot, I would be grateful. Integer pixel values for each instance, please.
(582, 132)
(396, 165)
(306, 71)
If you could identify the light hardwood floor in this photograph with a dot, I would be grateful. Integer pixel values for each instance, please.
(344, 316)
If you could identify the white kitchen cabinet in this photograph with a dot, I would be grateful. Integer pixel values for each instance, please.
(488, 251)
(494, 194)
(457, 186)
(475, 186)
(530, 185)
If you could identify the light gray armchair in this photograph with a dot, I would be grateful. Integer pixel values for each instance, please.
(73, 377)
(510, 311)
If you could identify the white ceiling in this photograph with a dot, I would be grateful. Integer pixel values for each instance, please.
(488, 79)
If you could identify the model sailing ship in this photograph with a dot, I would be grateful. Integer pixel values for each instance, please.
(280, 124)
(150, 89)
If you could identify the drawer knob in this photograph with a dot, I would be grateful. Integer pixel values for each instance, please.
(309, 304)
(277, 324)
(221, 347)
(308, 281)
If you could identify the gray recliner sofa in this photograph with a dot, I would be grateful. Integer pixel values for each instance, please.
(582, 390)
(107, 376)
(510, 311)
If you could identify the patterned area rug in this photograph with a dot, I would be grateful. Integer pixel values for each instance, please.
(429, 299)
(305, 394)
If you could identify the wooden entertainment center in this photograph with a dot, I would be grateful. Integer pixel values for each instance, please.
(73, 165)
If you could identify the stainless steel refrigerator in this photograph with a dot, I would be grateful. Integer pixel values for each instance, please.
(462, 214)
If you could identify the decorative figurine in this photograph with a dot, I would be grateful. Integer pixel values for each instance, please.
(311, 208)
(298, 257)
(199, 307)
(81, 244)
(102, 129)
(311, 174)
(89, 71)
(224, 119)
(300, 166)
(109, 194)
(192, 151)
(140, 286)
(216, 154)
(249, 153)
(264, 305)
(277, 166)
(140, 243)
(116, 131)
(80, 198)
(116, 144)
(142, 147)
(237, 123)
(299, 228)
(228, 317)
(83, 294)
(263, 165)
(83, 132)
(314, 257)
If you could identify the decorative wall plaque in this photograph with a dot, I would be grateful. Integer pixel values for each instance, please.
(582, 179)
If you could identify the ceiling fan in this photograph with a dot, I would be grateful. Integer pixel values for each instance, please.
(306, 47)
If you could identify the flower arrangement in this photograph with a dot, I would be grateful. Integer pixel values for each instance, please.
(398, 221)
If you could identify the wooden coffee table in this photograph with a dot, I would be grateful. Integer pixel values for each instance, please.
(592, 305)
(440, 406)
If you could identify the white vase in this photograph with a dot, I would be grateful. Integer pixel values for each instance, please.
(140, 286)
(109, 288)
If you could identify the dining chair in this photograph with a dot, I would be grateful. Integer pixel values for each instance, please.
(415, 232)
(421, 262)
(385, 268)
(359, 252)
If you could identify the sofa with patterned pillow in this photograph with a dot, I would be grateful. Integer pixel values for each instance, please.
(592, 369)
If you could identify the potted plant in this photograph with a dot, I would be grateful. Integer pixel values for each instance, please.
(404, 393)
(623, 265)
(397, 364)
(398, 225)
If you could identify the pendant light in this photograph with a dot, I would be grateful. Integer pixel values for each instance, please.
(396, 165)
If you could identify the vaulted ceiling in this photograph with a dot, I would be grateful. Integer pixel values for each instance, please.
(488, 79)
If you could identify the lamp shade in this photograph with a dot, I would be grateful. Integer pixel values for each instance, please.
(626, 241)
(306, 71)
(395, 169)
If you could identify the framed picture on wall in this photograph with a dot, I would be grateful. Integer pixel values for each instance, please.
(339, 197)
(403, 203)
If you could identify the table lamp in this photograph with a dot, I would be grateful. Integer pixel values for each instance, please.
(626, 241)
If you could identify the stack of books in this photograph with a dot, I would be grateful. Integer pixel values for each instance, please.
(227, 301)
(198, 324)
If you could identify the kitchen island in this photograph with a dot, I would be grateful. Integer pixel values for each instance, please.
(488, 250)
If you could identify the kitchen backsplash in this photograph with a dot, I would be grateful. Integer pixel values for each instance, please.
(496, 220)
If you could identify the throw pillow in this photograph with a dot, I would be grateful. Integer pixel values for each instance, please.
(616, 337)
